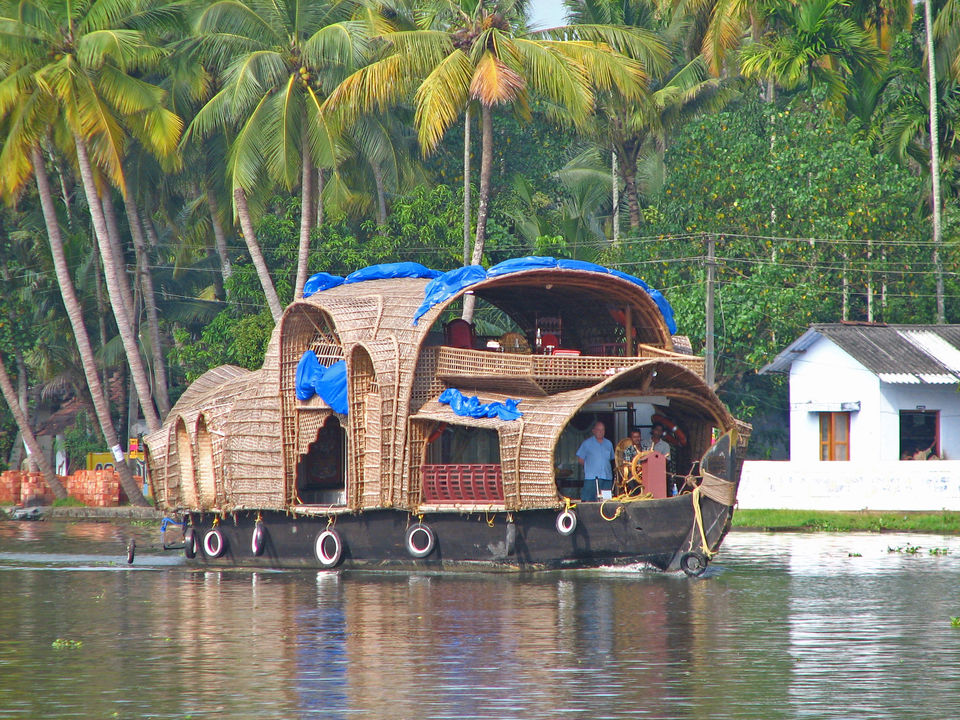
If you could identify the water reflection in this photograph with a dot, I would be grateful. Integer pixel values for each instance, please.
(781, 627)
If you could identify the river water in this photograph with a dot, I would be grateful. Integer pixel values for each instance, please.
(781, 626)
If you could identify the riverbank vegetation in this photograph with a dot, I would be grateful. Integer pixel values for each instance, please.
(173, 171)
(868, 521)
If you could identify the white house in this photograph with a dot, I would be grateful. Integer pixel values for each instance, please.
(863, 396)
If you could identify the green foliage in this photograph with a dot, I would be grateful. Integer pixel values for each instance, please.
(796, 201)
(68, 502)
(8, 431)
(230, 339)
(424, 226)
(942, 522)
(81, 438)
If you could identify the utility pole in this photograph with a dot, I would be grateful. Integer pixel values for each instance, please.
(934, 162)
(711, 271)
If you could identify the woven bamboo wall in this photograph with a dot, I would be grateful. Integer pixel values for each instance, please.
(364, 453)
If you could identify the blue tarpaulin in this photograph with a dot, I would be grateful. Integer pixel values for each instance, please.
(448, 285)
(330, 383)
(321, 281)
(531, 262)
(472, 407)
(387, 271)
(452, 282)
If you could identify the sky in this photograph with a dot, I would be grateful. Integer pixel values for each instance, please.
(546, 13)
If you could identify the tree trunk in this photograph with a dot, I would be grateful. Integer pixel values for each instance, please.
(114, 290)
(306, 219)
(381, 194)
(160, 390)
(256, 255)
(615, 197)
(75, 315)
(633, 199)
(22, 397)
(219, 235)
(36, 454)
(116, 249)
(483, 204)
(466, 187)
(934, 163)
(320, 182)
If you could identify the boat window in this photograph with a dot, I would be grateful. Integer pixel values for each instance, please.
(464, 445)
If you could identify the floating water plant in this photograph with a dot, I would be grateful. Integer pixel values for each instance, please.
(906, 549)
(955, 621)
(66, 644)
(939, 551)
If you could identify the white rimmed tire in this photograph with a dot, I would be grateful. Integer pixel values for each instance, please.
(419, 540)
(567, 522)
(329, 548)
(258, 539)
(214, 543)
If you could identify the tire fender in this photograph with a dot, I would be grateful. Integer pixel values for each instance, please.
(329, 548)
(419, 540)
(214, 543)
(567, 522)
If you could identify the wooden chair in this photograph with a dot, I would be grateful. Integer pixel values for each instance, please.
(459, 334)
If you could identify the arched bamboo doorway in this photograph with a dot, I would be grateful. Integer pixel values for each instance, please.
(321, 476)
(188, 483)
(365, 432)
(206, 483)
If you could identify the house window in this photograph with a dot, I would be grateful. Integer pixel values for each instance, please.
(919, 434)
(834, 436)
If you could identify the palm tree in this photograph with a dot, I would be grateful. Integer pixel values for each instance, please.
(637, 130)
(78, 63)
(481, 51)
(816, 45)
(36, 454)
(279, 61)
(69, 73)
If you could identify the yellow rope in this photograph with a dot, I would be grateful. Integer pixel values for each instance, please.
(624, 498)
(490, 519)
(699, 518)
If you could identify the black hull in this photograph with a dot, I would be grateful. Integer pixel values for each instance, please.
(657, 532)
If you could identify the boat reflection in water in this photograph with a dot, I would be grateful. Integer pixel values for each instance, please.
(409, 646)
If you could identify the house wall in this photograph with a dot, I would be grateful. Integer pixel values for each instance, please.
(825, 374)
(850, 486)
(944, 398)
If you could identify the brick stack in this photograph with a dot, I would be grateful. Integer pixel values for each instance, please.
(10, 487)
(34, 490)
(97, 488)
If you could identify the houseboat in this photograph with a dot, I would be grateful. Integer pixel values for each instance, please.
(384, 431)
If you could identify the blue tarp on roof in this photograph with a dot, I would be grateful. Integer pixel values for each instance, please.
(321, 281)
(472, 407)
(448, 285)
(388, 271)
(330, 383)
(531, 262)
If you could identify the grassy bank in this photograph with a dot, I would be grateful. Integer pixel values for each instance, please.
(932, 522)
